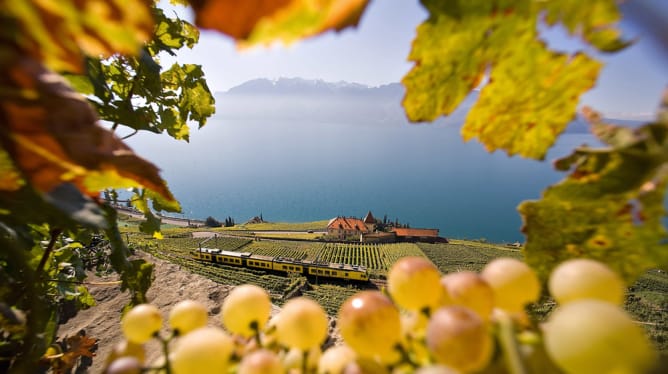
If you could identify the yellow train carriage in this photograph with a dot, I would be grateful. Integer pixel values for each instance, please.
(341, 271)
(288, 265)
(260, 262)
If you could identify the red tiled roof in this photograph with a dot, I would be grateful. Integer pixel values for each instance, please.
(415, 232)
(347, 224)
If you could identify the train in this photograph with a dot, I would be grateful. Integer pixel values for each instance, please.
(282, 264)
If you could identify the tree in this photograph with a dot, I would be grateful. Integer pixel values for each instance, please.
(55, 158)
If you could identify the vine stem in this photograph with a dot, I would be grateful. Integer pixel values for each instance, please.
(509, 344)
(47, 252)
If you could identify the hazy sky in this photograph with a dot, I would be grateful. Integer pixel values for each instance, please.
(375, 53)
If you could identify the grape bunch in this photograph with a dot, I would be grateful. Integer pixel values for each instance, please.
(462, 322)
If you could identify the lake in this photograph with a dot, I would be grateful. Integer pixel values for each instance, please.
(293, 171)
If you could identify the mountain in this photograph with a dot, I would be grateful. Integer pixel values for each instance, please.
(310, 100)
(298, 99)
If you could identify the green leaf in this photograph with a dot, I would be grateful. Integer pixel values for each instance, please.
(610, 208)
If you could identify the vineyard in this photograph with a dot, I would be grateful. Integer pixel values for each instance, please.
(463, 255)
(377, 258)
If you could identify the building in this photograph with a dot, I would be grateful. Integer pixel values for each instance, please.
(417, 235)
(370, 222)
(346, 227)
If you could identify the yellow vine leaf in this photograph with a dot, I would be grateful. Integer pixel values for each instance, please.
(52, 136)
(268, 21)
(56, 32)
(525, 118)
(532, 93)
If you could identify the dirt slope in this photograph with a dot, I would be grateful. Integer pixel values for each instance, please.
(171, 284)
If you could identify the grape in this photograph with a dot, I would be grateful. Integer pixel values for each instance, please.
(127, 348)
(458, 338)
(470, 290)
(413, 283)
(585, 279)
(514, 283)
(593, 336)
(260, 362)
(370, 324)
(335, 359)
(302, 324)
(435, 369)
(294, 359)
(187, 315)
(246, 310)
(141, 323)
(204, 350)
(124, 365)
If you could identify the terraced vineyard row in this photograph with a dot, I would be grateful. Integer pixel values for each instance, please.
(378, 258)
(457, 256)
(296, 250)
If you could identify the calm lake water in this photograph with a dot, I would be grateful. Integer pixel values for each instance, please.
(289, 171)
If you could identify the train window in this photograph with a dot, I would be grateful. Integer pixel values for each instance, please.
(346, 274)
(319, 271)
(327, 272)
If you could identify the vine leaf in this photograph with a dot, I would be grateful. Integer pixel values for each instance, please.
(539, 109)
(593, 20)
(532, 92)
(264, 22)
(610, 207)
(52, 136)
(57, 32)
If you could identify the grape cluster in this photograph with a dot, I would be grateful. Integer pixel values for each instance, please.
(425, 323)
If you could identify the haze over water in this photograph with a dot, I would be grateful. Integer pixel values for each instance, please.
(304, 170)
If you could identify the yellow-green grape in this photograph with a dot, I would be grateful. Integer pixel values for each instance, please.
(260, 362)
(187, 315)
(294, 359)
(141, 323)
(335, 359)
(413, 324)
(370, 324)
(458, 338)
(365, 365)
(585, 279)
(593, 336)
(514, 283)
(246, 310)
(435, 369)
(205, 350)
(469, 289)
(127, 348)
(413, 283)
(124, 365)
(302, 324)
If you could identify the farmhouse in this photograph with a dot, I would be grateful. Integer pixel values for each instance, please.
(417, 235)
(345, 227)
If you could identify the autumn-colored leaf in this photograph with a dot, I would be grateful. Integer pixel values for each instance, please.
(52, 136)
(532, 92)
(609, 208)
(267, 21)
(57, 32)
(526, 118)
